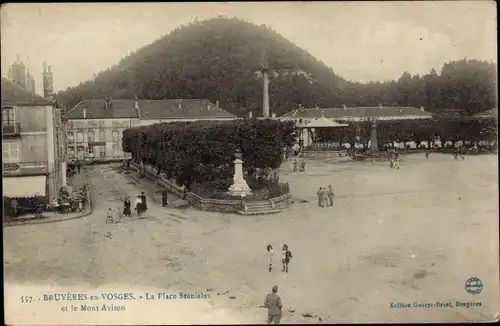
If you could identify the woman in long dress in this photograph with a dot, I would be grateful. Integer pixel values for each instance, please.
(270, 252)
(138, 205)
(126, 207)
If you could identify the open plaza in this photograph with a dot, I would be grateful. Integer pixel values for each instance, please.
(393, 237)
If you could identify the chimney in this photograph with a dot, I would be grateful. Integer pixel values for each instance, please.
(217, 103)
(317, 107)
(84, 113)
(50, 67)
(273, 115)
(208, 107)
(265, 96)
(44, 67)
(179, 104)
(380, 106)
(344, 107)
(422, 108)
(250, 114)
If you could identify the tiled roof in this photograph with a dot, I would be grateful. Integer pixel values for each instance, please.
(13, 94)
(357, 112)
(96, 109)
(149, 109)
(181, 109)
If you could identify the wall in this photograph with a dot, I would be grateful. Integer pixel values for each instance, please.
(31, 118)
(34, 148)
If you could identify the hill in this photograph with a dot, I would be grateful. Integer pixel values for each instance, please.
(219, 59)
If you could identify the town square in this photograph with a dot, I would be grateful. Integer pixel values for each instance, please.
(223, 175)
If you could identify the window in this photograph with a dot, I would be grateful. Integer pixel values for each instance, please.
(8, 116)
(115, 135)
(90, 151)
(101, 135)
(102, 151)
(116, 149)
(71, 152)
(10, 152)
(79, 136)
(71, 136)
(101, 124)
(91, 135)
(80, 152)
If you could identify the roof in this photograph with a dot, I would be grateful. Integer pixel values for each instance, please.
(13, 94)
(322, 122)
(149, 109)
(357, 112)
(96, 109)
(181, 109)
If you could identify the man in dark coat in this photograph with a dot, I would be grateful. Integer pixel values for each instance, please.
(144, 204)
(164, 197)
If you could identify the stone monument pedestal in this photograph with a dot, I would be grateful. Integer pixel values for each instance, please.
(239, 187)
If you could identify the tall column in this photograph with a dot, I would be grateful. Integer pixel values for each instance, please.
(373, 138)
(265, 96)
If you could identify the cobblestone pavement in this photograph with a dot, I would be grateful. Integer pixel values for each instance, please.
(410, 235)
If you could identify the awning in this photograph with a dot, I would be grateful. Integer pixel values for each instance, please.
(31, 186)
(322, 122)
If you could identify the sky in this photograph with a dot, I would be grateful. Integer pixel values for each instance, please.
(361, 41)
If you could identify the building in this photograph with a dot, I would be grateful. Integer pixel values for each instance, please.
(17, 73)
(306, 116)
(95, 127)
(48, 81)
(30, 82)
(33, 165)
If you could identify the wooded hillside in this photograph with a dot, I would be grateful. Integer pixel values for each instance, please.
(219, 59)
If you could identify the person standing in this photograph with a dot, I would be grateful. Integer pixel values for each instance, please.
(330, 195)
(164, 198)
(138, 205)
(270, 253)
(274, 306)
(303, 165)
(126, 207)
(324, 197)
(14, 205)
(143, 200)
(286, 256)
(319, 194)
(426, 154)
(295, 165)
(109, 216)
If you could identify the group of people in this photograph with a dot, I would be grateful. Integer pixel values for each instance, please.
(300, 165)
(286, 256)
(140, 205)
(325, 196)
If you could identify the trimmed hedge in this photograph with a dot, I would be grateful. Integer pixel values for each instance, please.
(204, 151)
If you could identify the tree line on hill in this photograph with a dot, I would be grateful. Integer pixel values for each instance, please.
(220, 59)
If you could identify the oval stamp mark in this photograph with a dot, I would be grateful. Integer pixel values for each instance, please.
(473, 285)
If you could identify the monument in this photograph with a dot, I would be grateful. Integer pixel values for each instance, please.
(239, 187)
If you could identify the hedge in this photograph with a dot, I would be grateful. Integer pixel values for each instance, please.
(204, 151)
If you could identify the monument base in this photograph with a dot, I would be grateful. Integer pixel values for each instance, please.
(239, 188)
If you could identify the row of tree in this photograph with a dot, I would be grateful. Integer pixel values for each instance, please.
(220, 59)
(417, 130)
(204, 151)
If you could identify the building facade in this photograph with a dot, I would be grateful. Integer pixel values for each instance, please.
(306, 116)
(95, 127)
(32, 155)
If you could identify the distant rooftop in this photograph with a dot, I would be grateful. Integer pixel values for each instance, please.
(349, 113)
(13, 94)
(149, 109)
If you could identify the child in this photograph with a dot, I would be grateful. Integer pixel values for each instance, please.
(270, 252)
(109, 216)
(286, 256)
